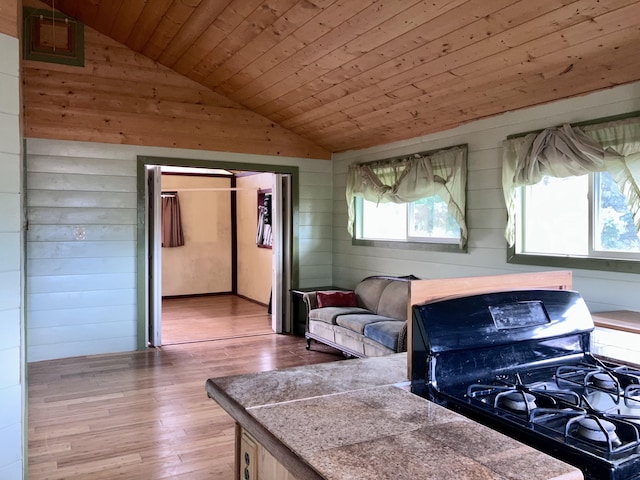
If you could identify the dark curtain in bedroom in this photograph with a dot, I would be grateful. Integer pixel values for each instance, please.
(172, 235)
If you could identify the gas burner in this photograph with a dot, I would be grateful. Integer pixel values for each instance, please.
(593, 377)
(603, 380)
(516, 400)
(596, 430)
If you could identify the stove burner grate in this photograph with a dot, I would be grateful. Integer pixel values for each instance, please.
(610, 433)
(594, 429)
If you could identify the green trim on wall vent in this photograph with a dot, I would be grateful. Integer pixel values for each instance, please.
(51, 36)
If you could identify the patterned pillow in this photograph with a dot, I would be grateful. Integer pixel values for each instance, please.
(336, 299)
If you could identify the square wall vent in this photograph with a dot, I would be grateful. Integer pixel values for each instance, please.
(51, 36)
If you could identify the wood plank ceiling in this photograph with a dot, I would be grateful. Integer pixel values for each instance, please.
(349, 74)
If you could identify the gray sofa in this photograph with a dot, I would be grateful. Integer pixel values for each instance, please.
(376, 326)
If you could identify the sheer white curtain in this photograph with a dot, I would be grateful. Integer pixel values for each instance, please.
(407, 179)
(570, 151)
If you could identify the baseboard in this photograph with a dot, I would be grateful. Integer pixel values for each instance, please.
(253, 300)
(213, 294)
(194, 295)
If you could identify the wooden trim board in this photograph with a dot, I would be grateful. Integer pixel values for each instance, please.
(622, 320)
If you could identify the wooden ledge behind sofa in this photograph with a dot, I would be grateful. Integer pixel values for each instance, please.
(421, 291)
(622, 320)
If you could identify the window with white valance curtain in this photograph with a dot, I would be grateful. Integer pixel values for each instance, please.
(411, 178)
(572, 151)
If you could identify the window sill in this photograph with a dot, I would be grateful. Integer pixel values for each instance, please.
(586, 263)
(400, 245)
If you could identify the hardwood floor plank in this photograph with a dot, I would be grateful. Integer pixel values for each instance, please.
(210, 317)
(143, 415)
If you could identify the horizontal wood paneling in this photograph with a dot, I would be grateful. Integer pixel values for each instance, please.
(43, 163)
(122, 97)
(10, 242)
(80, 266)
(87, 283)
(78, 316)
(348, 75)
(88, 216)
(43, 198)
(79, 182)
(80, 299)
(486, 212)
(9, 17)
(12, 347)
(89, 346)
(80, 283)
(81, 251)
(97, 233)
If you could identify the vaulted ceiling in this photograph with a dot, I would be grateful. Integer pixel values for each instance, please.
(348, 74)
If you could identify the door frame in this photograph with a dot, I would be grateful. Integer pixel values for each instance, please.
(141, 242)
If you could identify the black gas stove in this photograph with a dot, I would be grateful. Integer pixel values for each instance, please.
(520, 362)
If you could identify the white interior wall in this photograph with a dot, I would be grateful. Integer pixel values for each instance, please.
(12, 377)
(203, 264)
(82, 293)
(486, 212)
(255, 264)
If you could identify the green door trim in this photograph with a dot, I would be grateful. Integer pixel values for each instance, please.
(141, 260)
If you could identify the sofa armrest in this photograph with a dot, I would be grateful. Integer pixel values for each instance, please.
(310, 300)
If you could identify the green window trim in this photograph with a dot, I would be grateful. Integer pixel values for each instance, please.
(563, 261)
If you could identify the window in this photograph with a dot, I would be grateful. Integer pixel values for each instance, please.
(425, 220)
(594, 221)
(573, 196)
(418, 200)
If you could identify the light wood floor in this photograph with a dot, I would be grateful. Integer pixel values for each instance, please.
(145, 415)
(212, 317)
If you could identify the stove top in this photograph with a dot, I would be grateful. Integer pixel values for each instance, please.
(519, 362)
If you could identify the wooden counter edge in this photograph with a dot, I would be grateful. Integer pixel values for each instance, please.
(622, 320)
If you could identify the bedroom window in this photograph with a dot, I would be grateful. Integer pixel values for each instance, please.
(416, 200)
(573, 196)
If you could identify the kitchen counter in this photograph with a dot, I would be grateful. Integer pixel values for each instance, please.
(356, 419)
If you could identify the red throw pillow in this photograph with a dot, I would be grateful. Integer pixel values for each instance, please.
(336, 299)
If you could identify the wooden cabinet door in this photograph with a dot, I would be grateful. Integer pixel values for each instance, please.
(256, 463)
(248, 461)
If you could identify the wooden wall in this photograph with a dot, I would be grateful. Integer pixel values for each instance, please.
(203, 263)
(81, 252)
(122, 97)
(12, 373)
(9, 15)
(486, 211)
(82, 293)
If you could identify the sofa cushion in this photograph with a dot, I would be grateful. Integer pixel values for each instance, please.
(336, 299)
(394, 300)
(329, 314)
(385, 332)
(357, 321)
(369, 290)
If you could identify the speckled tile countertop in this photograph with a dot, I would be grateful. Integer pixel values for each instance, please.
(355, 419)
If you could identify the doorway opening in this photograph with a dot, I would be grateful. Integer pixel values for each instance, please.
(222, 278)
